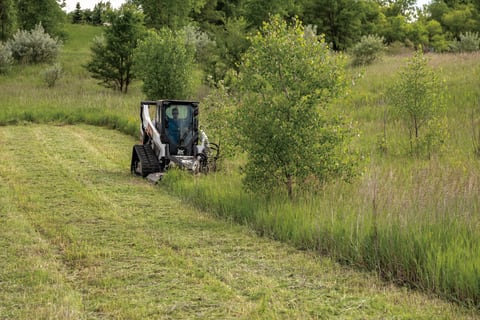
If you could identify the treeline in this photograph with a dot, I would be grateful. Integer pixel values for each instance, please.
(436, 26)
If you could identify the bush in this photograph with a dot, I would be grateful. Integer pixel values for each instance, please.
(52, 74)
(34, 46)
(200, 41)
(6, 59)
(369, 49)
(469, 41)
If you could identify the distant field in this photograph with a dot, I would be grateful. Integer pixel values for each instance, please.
(81, 238)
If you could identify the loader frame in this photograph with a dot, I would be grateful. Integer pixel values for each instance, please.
(169, 136)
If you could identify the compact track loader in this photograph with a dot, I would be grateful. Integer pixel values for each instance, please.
(172, 138)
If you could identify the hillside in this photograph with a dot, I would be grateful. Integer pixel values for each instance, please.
(83, 239)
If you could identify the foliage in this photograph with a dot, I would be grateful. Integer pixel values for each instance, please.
(52, 74)
(418, 97)
(100, 13)
(369, 49)
(8, 19)
(232, 42)
(201, 42)
(286, 82)
(77, 15)
(112, 53)
(341, 21)
(173, 14)
(217, 117)
(45, 12)
(394, 28)
(34, 46)
(437, 39)
(6, 59)
(164, 62)
(460, 19)
(258, 11)
(469, 42)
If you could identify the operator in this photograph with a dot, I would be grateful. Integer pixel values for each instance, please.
(174, 127)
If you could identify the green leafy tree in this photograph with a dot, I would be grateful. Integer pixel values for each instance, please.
(231, 42)
(217, 116)
(394, 29)
(100, 12)
(395, 8)
(112, 53)
(436, 36)
(286, 81)
(8, 19)
(164, 61)
(169, 13)
(340, 20)
(77, 16)
(418, 99)
(258, 11)
(48, 13)
(461, 19)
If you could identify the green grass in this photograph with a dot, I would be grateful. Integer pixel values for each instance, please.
(83, 239)
(412, 221)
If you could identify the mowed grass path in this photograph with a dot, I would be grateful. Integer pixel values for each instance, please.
(80, 238)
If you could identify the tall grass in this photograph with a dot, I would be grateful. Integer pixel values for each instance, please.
(413, 221)
(409, 224)
(75, 98)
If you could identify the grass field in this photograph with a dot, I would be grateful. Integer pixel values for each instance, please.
(83, 239)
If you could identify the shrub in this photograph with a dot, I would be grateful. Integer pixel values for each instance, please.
(6, 59)
(34, 46)
(200, 41)
(369, 49)
(469, 42)
(52, 74)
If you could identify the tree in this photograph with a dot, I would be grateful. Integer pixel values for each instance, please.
(164, 62)
(8, 19)
(285, 84)
(169, 13)
(112, 53)
(77, 15)
(340, 20)
(418, 99)
(100, 11)
(48, 13)
(461, 19)
(258, 11)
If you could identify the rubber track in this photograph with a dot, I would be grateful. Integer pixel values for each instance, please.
(147, 158)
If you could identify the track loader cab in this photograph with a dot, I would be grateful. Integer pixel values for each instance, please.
(169, 135)
(180, 127)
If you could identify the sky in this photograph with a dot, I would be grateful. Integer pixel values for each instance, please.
(89, 4)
